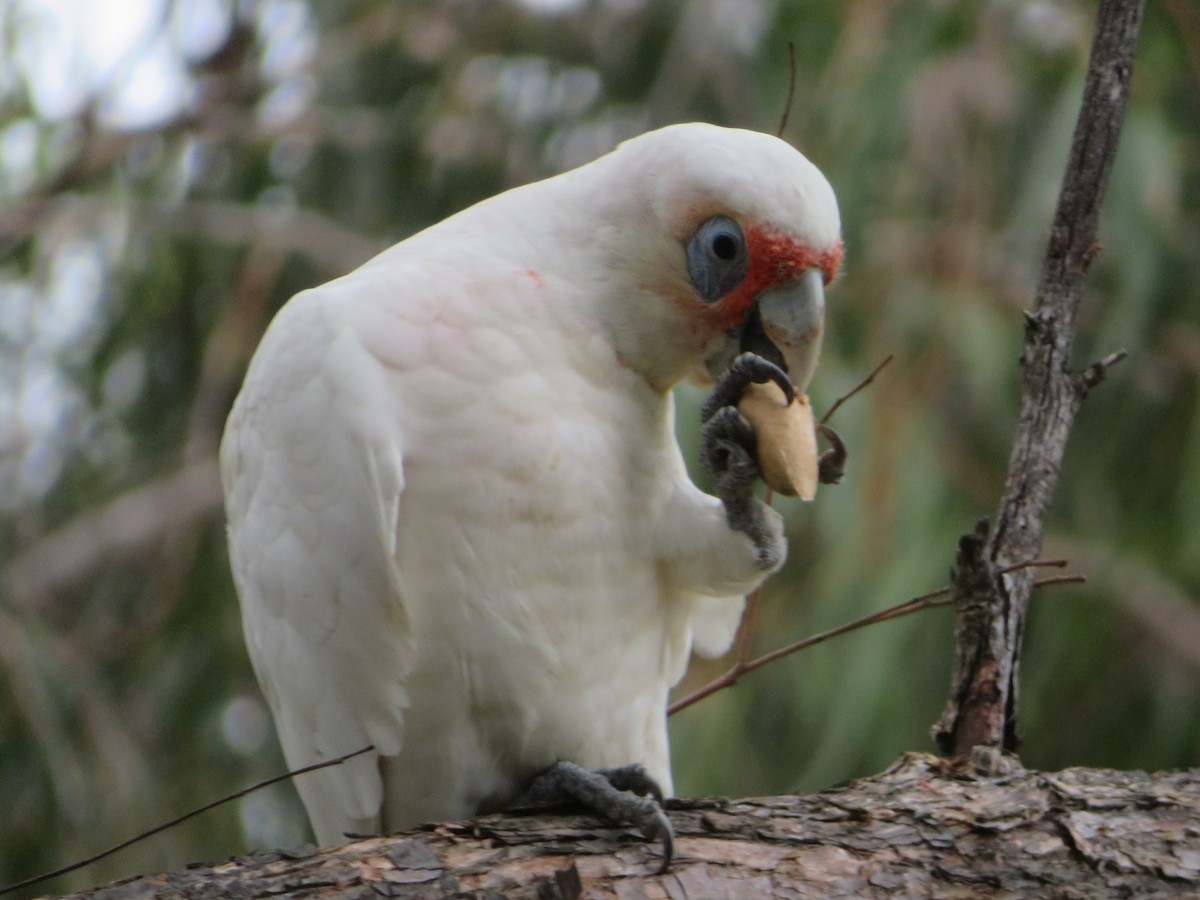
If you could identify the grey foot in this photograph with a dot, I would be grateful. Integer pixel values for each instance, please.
(728, 453)
(626, 795)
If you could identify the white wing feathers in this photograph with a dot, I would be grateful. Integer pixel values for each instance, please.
(312, 465)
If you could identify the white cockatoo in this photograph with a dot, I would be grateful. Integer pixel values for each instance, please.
(460, 525)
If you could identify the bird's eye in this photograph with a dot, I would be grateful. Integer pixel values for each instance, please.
(724, 246)
(716, 258)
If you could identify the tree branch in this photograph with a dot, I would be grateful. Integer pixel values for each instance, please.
(924, 828)
(743, 664)
(991, 606)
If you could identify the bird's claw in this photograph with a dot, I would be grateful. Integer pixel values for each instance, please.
(661, 830)
(831, 465)
(627, 795)
(728, 452)
(633, 778)
(746, 369)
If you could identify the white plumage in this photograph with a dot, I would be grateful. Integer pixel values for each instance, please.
(459, 523)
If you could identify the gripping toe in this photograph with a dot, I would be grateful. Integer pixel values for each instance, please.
(747, 369)
(626, 795)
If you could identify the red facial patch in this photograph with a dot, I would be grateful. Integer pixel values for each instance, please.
(772, 260)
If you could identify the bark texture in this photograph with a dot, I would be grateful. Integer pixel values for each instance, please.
(923, 828)
(991, 604)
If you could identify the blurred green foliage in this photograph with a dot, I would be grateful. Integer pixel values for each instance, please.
(142, 253)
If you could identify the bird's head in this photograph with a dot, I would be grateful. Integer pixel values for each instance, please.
(725, 240)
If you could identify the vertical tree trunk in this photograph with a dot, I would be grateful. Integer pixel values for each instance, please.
(992, 603)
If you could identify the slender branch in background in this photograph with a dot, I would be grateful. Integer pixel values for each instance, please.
(992, 602)
(941, 597)
(178, 820)
(861, 385)
(791, 91)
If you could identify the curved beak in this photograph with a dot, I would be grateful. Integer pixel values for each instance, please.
(793, 320)
(785, 325)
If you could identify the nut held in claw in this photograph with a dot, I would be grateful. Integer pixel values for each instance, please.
(787, 439)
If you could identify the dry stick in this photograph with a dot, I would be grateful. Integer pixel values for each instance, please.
(743, 641)
(862, 384)
(933, 599)
(745, 634)
(37, 879)
(982, 707)
(1032, 564)
(791, 91)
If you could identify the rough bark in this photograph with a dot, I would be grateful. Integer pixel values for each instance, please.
(923, 828)
(992, 605)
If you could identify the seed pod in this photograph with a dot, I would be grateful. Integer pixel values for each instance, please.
(786, 437)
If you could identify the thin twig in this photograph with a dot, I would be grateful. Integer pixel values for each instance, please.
(859, 387)
(8, 889)
(943, 596)
(743, 641)
(1094, 374)
(791, 91)
(1060, 579)
(1032, 564)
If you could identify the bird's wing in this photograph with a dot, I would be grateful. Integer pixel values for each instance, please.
(311, 462)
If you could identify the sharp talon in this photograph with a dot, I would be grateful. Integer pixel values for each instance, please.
(668, 843)
(747, 369)
(635, 779)
(831, 465)
(760, 370)
(608, 792)
(780, 377)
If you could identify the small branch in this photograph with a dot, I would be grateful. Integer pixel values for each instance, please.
(791, 91)
(747, 628)
(931, 600)
(1060, 579)
(1013, 833)
(103, 854)
(1095, 373)
(1033, 564)
(837, 404)
(740, 667)
(992, 598)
